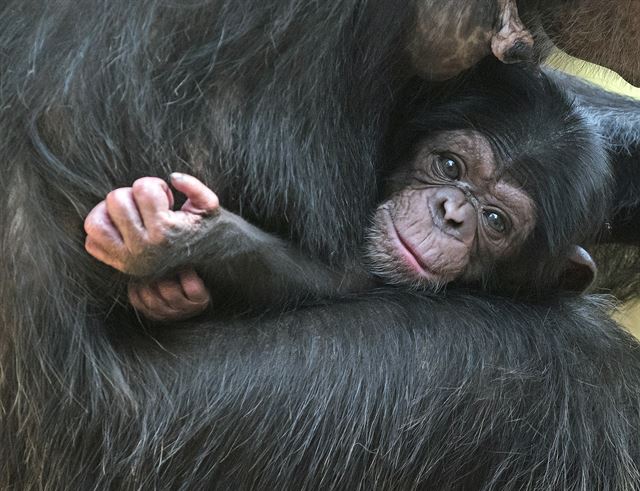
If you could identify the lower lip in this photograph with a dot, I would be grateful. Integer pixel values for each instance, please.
(407, 252)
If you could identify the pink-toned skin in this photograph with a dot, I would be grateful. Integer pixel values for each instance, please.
(425, 234)
(134, 219)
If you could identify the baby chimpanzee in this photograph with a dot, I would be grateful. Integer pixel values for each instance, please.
(494, 181)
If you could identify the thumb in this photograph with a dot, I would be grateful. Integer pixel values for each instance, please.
(200, 199)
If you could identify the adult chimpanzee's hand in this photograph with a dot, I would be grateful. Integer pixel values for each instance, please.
(132, 227)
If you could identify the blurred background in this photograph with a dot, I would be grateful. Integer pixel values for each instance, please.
(629, 316)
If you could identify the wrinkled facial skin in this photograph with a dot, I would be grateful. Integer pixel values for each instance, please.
(451, 36)
(449, 215)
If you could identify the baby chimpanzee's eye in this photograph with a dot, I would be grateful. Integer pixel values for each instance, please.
(449, 167)
(495, 220)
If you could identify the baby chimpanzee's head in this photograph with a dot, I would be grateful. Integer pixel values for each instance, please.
(497, 178)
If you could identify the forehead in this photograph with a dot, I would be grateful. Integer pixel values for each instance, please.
(471, 146)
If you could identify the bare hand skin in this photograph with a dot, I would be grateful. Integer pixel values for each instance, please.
(461, 204)
(170, 299)
(449, 213)
(135, 231)
(125, 228)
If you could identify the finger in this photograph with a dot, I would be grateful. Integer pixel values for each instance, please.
(107, 256)
(172, 293)
(124, 214)
(200, 199)
(147, 303)
(175, 297)
(193, 287)
(153, 198)
(135, 300)
(100, 228)
(153, 301)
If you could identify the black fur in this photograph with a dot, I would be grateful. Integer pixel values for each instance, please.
(541, 140)
(282, 107)
(618, 252)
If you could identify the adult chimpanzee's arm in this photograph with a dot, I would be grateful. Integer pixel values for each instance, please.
(388, 391)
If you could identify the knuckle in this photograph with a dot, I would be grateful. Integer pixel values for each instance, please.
(95, 229)
(214, 201)
(146, 291)
(147, 184)
(147, 296)
(117, 196)
(91, 221)
(90, 227)
(155, 304)
(90, 246)
(133, 296)
(200, 296)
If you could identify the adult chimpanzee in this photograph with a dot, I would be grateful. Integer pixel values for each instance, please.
(498, 180)
(283, 105)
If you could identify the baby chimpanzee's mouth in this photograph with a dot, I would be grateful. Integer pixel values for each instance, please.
(410, 255)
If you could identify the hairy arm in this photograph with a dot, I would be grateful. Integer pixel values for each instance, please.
(136, 231)
(236, 257)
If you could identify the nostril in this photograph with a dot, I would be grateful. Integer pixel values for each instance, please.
(452, 214)
(447, 212)
(442, 210)
(450, 211)
(453, 222)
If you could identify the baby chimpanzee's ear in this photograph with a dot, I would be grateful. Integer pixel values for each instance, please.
(580, 272)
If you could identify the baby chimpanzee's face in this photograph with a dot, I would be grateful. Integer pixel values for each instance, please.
(450, 214)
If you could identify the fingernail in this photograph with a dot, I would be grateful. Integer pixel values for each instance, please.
(177, 176)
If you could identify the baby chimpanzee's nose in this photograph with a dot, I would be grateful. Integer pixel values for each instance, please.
(453, 213)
